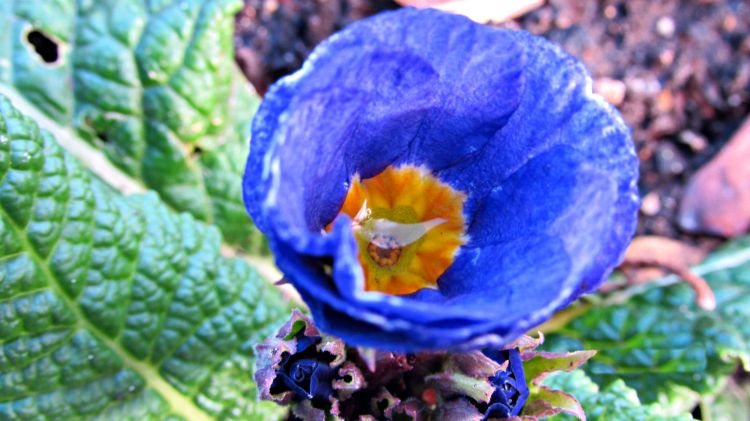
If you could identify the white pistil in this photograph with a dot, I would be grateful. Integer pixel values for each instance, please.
(403, 234)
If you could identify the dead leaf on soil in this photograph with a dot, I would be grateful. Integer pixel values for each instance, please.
(717, 198)
(663, 249)
(648, 257)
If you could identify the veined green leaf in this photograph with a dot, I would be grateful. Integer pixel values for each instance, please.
(151, 84)
(116, 307)
(660, 343)
(613, 403)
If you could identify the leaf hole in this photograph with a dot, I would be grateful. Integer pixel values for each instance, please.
(197, 151)
(383, 405)
(45, 47)
(103, 137)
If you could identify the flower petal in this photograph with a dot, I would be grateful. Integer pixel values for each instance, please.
(508, 119)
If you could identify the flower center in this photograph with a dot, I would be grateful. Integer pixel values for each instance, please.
(384, 250)
(409, 226)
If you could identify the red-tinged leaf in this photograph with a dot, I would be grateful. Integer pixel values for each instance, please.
(527, 343)
(545, 402)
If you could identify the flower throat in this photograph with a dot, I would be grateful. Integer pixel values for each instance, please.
(409, 226)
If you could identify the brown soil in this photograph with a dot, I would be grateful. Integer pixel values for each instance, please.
(685, 66)
(273, 37)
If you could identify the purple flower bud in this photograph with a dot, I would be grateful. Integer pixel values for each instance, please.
(511, 390)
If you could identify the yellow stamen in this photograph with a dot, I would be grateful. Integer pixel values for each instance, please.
(409, 226)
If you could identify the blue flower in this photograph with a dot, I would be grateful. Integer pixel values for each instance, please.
(426, 182)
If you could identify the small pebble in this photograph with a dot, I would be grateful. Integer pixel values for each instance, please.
(563, 22)
(610, 12)
(643, 86)
(651, 204)
(612, 90)
(696, 142)
(665, 26)
(664, 125)
(669, 160)
(730, 23)
(666, 57)
(645, 154)
(270, 6)
(664, 101)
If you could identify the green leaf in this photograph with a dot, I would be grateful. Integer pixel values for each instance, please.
(116, 307)
(613, 403)
(660, 343)
(151, 84)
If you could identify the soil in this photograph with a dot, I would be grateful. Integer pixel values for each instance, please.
(678, 70)
(273, 37)
(685, 66)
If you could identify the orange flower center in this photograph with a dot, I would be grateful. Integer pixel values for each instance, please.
(409, 226)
